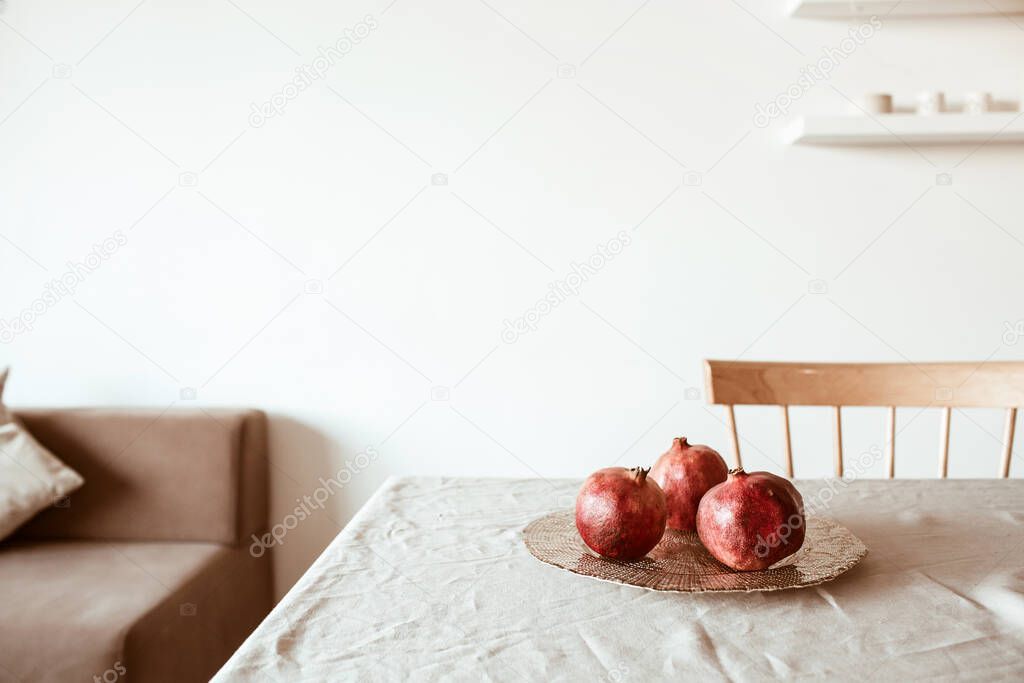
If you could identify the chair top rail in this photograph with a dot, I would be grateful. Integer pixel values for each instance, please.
(982, 385)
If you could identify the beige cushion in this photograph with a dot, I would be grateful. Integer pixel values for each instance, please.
(31, 478)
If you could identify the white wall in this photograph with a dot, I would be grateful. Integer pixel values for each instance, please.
(208, 291)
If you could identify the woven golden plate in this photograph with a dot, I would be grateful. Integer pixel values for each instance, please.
(681, 563)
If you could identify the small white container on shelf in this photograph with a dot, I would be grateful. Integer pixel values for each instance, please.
(931, 103)
(977, 102)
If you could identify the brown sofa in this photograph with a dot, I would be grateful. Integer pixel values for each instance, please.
(144, 573)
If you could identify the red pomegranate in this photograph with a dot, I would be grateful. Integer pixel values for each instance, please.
(751, 521)
(685, 472)
(792, 491)
(620, 513)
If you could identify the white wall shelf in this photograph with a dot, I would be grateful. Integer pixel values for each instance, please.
(830, 9)
(897, 129)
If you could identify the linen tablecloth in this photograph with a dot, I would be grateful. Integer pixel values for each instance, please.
(431, 581)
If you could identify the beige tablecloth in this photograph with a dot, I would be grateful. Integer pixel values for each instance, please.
(430, 581)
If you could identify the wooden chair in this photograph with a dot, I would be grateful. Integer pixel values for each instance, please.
(947, 385)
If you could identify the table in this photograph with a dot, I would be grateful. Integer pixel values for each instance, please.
(431, 581)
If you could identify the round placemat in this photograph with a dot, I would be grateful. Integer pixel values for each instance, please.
(681, 563)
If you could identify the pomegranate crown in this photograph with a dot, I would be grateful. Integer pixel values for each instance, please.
(640, 473)
(735, 471)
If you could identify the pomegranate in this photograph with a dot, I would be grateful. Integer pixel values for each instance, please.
(751, 521)
(620, 513)
(792, 491)
(685, 472)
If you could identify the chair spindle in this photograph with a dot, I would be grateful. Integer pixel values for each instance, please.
(890, 442)
(837, 428)
(788, 441)
(947, 414)
(731, 420)
(1011, 420)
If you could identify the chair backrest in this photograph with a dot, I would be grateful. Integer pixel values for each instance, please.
(946, 385)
